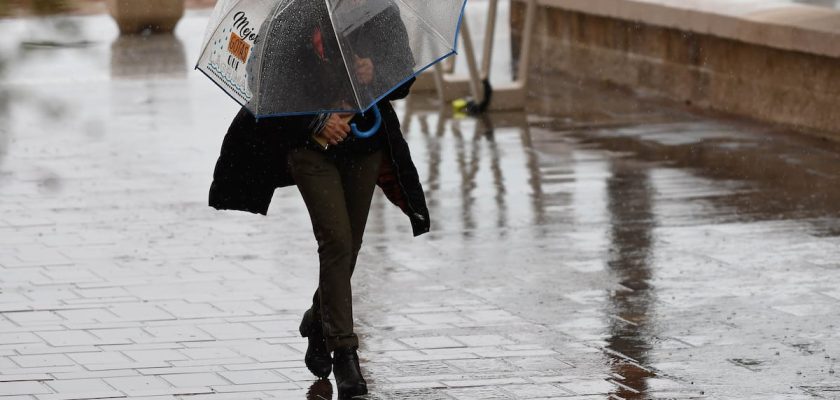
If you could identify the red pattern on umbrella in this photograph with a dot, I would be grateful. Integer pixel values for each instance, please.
(318, 43)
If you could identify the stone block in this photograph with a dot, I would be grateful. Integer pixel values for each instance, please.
(157, 16)
(774, 84)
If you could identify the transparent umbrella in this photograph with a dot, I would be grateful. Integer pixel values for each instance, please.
(288, 57)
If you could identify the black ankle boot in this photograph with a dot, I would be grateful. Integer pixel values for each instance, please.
(348, 374)
(317, 356)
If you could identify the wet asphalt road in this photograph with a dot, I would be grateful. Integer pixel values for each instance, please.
(600, 246)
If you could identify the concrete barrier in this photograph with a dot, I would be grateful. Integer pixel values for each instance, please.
(137, 16)
(774, 61)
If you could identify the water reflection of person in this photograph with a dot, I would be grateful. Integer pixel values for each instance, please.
(336, 182)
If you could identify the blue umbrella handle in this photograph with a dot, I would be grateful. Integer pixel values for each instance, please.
(372, 130)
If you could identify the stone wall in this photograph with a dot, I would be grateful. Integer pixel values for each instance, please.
(776, 85)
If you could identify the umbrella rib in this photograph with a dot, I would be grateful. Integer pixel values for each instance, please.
(343, 59)
(427, 24)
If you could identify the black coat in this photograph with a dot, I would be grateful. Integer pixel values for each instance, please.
(253, 163)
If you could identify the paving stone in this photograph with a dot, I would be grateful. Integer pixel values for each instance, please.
(295, 374)
(491, 316)
(121, 334)
(70, 274)
(208, 353)
(411, 355)
(599, 386)
(88, 315)
(155, 355)
(22, 388)
(426, 368)
(100, 357)
(249, 377)
(484, 382)
(25, 377)
(166, 370)
(539, 363)
(490, 352)
(69, 338)
(254, 387)
(188, 310)
(102, 293)
(410, 393)
(482, 365)
(178, 333)
(243, 307)
(40, 255)
(138, 384)
(535, 391)
(231, 331)
(428, 379)
(84, 374)
(431, 342)
(19, 337)
(140, 312)
(90, 388)
(267, 365)
(33, 317)
(43, 360)
(235, 396)
(439, 318)
(227, 362)
(489, 393)
(195, 380)
(128, 365)
(483, 340)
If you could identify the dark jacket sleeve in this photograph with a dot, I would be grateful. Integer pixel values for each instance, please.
(402, 91)
(250, 164)
(398, 176)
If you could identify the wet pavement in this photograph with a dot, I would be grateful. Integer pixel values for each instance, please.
(601, 246)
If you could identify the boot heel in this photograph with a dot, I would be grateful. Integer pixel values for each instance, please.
(306, 324)
(317, 357)
(348, 374)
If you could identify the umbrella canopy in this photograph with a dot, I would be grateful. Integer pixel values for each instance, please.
(286, 57)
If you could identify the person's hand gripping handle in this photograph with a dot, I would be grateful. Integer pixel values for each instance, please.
(336, 128)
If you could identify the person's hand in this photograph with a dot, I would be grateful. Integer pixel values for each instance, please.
(336, 129)
(364, 70)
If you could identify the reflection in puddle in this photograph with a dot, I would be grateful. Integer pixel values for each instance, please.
(478, 161)
(629, 203)
(152, 65)
(320, 390)
(782, 178)
(148, 57)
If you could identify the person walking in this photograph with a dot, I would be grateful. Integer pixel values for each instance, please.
(336, 174)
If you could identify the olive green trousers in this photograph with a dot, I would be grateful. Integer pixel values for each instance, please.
(337, 191)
